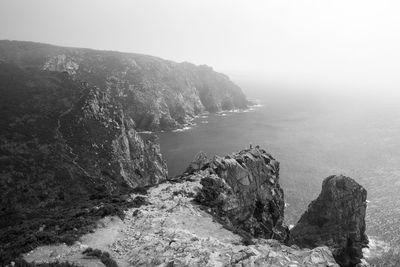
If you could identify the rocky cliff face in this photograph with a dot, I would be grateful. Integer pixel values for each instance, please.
(244, 193)
(63, 145)
(155, 93)
(335, 219)
(106, 144)
(55, 129)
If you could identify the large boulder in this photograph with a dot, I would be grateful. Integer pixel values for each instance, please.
(335, 219)
(243, 191)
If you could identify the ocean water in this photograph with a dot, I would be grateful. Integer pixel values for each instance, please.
(312, 135)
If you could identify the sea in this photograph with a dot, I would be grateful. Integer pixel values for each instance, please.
(313, 134)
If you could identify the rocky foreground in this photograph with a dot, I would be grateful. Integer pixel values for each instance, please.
(225, 211)
(175, 231)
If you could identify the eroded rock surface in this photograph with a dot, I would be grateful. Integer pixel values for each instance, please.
(335, 219)
(174, 231)
(243, 191)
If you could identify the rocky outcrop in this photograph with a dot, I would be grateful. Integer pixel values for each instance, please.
(243, 192)
(335, 219)
(155, 93)
(173, 231)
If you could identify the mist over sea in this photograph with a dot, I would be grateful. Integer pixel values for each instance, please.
(313, 135)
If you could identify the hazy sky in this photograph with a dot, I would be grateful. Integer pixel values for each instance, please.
(351, 42)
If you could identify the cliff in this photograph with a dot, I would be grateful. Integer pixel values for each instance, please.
(243, 191)
(335, 219)
(65, 148)
(155, 93)
(55, 129)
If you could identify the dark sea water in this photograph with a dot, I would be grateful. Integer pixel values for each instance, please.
(313, 135)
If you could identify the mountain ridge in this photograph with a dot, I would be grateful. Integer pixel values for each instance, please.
(158, 94)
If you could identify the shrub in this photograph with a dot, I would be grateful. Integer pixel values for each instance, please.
(63, 224)
(23, 263)
(103, 256)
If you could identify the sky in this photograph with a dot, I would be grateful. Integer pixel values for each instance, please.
(346, 44)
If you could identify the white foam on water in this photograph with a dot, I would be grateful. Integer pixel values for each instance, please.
(235, 110)
(375, 248)
(182, 129)
(257, 106)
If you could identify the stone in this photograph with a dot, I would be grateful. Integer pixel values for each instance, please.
(335, 219)
(199, 161)
(243, 193)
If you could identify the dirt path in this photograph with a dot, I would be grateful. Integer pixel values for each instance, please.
(108, 231)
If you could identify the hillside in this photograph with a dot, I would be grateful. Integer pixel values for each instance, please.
(155, 93)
